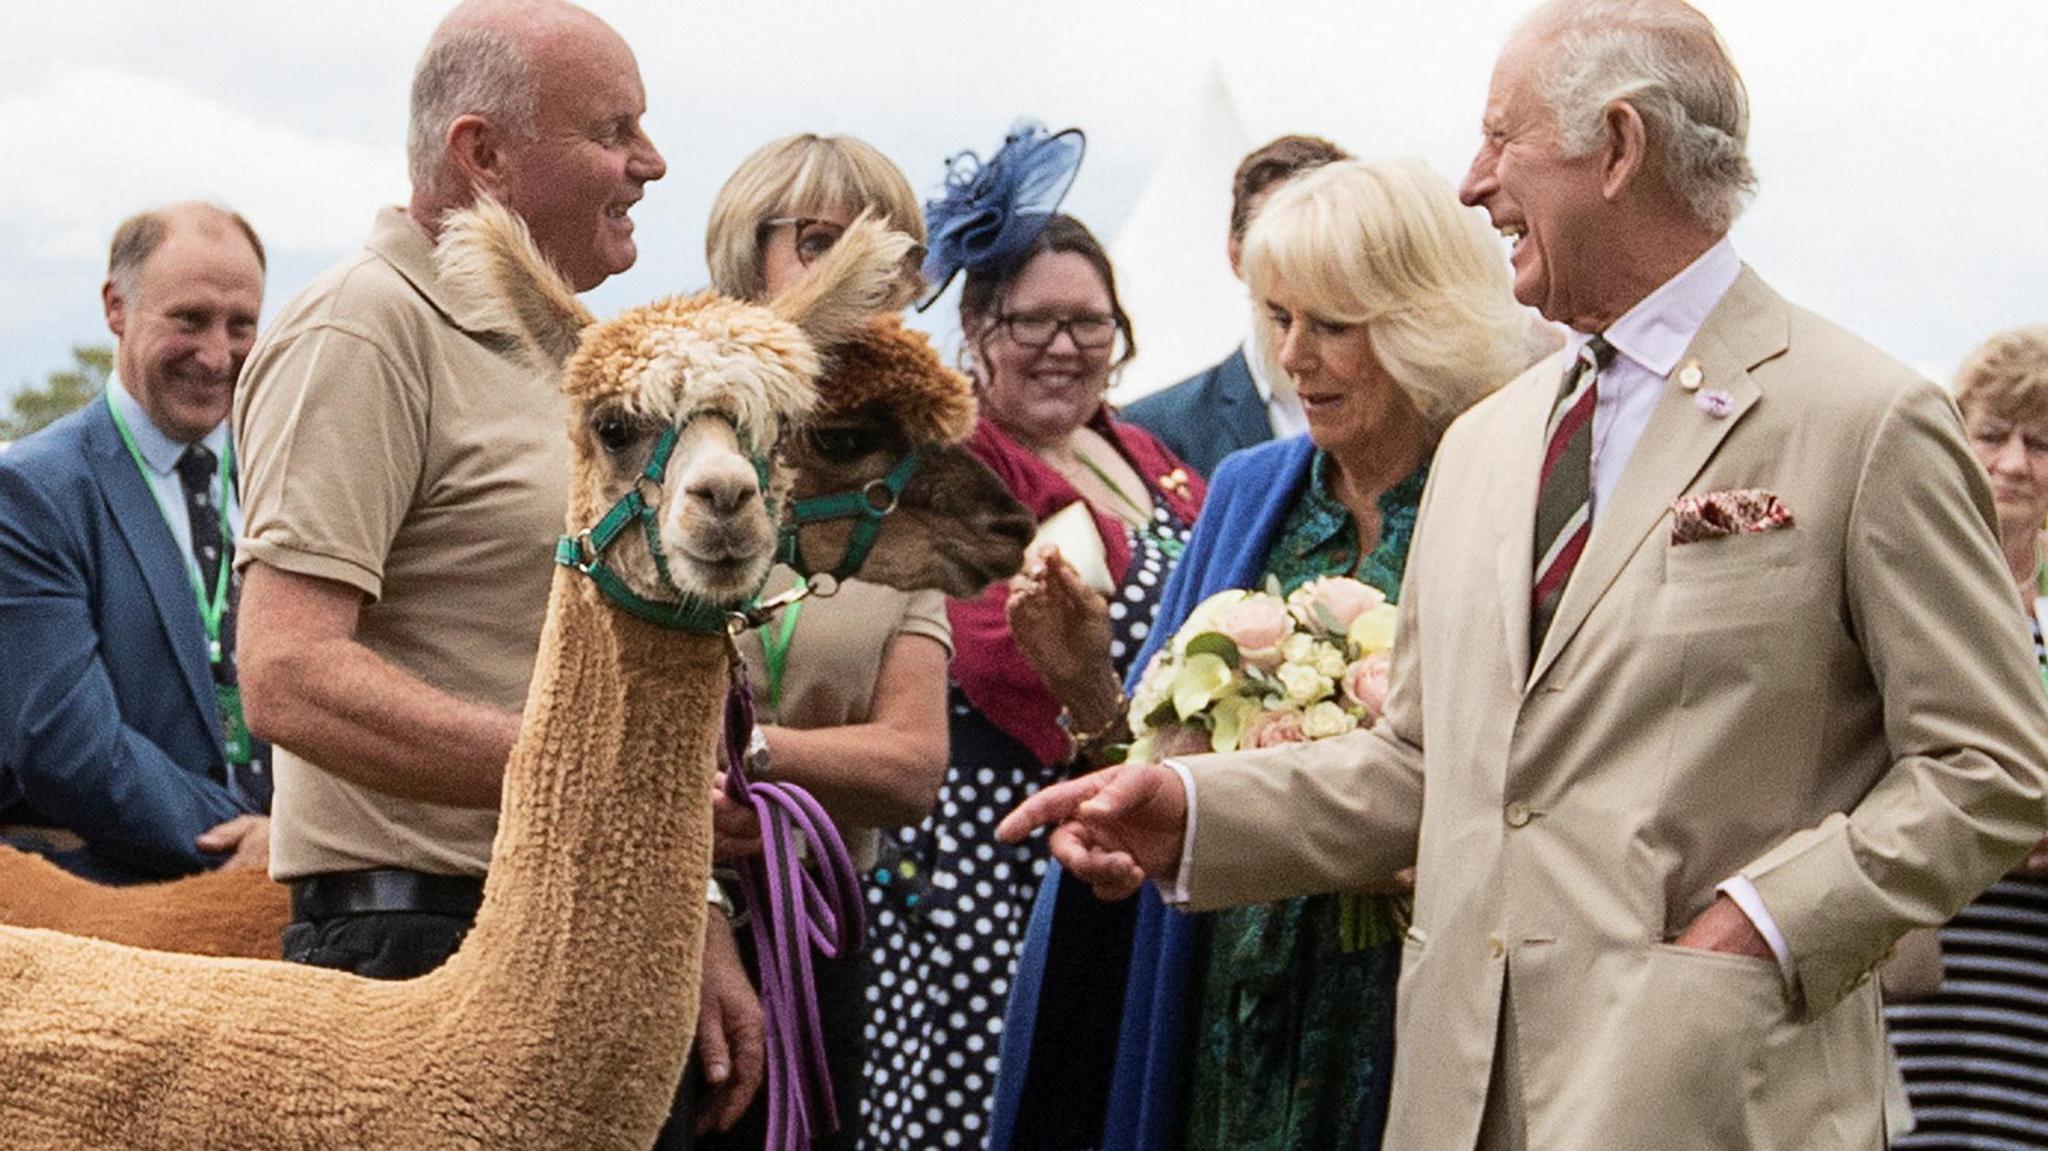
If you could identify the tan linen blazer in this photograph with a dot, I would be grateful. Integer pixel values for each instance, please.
(1844, 710)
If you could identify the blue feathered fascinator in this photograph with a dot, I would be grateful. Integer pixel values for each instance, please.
(991, 212)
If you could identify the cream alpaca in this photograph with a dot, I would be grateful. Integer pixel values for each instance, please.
(564, 1020)
(955, 528)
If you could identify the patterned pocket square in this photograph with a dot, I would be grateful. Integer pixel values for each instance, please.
(1717, 514)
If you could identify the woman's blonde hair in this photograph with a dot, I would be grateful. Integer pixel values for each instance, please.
(796, 176)
(1386, 244)
(2007, 376)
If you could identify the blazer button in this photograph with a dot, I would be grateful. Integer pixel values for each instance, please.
(1495, 947)
(1517, 814)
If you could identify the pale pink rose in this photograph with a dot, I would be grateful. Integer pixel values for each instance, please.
(1256, 624)
(1271, 729)
(1179, 739)
(1334, 601)
(1365, 682)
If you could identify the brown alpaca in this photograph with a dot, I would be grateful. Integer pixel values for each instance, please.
(564, 1020)
(238, 913)
(956, 527)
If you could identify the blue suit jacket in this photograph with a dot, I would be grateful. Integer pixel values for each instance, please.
(1206, 416)
(108, 724)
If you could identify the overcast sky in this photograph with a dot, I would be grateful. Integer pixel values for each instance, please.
(1900, 142)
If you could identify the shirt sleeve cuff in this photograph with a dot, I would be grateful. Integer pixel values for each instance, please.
(1176, 893)
(1746, 897)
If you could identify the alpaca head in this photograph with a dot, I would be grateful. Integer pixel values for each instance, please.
(952, 524)
(709, 382)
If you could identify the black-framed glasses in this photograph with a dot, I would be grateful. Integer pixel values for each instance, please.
(1091, 331)
(813, 237)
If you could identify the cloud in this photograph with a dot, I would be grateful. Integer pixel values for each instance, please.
(93, 144)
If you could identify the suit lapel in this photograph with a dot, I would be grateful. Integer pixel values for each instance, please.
(136, 516)
(1238, 402)
(1513, 503)
(1746, 328)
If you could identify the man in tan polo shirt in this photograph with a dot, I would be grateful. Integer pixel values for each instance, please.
(404, 483)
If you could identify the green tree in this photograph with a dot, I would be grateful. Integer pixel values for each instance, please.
(64, 390)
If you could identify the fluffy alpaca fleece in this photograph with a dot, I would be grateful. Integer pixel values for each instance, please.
(562, 1023)
(233, 913)
(564, 1020)
(895, 375)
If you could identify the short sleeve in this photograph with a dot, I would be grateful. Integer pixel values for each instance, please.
(924, 613)
(333, 434)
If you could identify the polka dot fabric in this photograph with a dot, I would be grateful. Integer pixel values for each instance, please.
(947, 907)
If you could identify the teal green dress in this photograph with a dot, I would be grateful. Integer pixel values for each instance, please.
(1294, 1014)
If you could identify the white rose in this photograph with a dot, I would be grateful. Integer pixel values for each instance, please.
(1325, 720)
(1328, 661)
(1296, 648)
(1303, 684)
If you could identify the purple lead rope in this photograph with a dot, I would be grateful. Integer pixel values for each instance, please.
(793, 911)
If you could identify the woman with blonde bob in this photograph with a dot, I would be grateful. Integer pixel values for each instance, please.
(850, 690)
(1389, 306)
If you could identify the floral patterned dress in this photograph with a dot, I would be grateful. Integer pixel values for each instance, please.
(948, 905)
(1293, 1024)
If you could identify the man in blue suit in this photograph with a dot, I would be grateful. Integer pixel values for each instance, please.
(1233, 404)
(122, 752)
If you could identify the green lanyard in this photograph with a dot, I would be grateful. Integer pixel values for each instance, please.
(1147, 525)
(210, 610)
(775, 648)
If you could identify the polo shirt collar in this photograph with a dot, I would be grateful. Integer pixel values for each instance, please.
(402, 243)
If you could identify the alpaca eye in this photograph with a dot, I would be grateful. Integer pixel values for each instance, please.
(842, 445)
(614, 432)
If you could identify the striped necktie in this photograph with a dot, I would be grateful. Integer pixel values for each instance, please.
(1564, 494)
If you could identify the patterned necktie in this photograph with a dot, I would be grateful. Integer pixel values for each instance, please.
(197, 474)
(1564, 494)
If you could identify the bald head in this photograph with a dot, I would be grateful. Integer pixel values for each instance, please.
(140, 235)
(486, 59)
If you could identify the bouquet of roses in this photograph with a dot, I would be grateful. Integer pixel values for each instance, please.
(1251, 669)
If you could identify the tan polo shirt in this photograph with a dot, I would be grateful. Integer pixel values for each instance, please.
(392, 444)
(835, 653)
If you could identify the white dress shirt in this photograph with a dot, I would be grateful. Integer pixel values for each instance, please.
(1283, 406)
(160, 454)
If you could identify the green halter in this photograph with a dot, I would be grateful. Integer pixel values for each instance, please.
(871, 503)
(585, 550)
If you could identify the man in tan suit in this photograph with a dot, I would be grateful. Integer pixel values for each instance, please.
(1707, 659)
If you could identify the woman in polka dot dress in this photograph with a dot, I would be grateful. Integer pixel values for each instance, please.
(948, 904)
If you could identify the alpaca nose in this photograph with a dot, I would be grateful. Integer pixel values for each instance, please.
(726, 491)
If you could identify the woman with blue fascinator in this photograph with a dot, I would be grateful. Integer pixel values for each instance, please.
(1044, 333)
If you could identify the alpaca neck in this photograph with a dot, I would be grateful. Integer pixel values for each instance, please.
(594, 908)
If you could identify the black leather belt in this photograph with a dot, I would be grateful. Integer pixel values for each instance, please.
(385, 889)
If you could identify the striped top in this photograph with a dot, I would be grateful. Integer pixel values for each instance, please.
(1975, 1055)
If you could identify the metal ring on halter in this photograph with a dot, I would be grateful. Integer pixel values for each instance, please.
(824, 585)
(889, 496)
(586, 552)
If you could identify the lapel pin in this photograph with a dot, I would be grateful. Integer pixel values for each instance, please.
(1176, 482)
(1689, 376)
(1716, 403)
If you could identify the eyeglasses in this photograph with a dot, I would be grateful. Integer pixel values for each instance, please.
(813, 237)
(1090, 331)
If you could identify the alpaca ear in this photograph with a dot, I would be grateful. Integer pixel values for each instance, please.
(490, 260)
(864, 275)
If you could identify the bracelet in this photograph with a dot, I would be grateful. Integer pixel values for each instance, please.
(1103, 745)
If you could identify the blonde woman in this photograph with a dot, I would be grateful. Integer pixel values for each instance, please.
(850, 689)
(1388, 306)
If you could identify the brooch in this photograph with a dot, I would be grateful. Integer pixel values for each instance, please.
(1175, 482)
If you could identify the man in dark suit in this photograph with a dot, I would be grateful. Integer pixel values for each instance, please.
(1235, 404)
(122, 752)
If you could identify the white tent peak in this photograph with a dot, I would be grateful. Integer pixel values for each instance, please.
(1172, 274)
